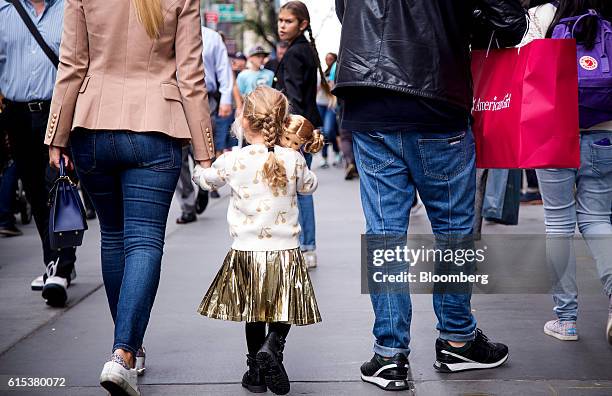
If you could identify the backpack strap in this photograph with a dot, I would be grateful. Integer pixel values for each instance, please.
(34, 31)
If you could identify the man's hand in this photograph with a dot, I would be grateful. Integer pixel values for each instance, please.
(55, 153)
(225, 110)
(205, 164)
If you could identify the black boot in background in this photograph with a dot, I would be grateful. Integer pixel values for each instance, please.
(270, 360)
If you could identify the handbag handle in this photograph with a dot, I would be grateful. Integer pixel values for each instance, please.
(61, 178)
(62, 167)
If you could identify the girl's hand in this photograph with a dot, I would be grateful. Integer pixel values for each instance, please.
(55, 153)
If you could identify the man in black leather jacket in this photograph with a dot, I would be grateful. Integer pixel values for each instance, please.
(404, 75)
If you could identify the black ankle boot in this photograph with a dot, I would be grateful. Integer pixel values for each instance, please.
(270, 360)
(253, 379)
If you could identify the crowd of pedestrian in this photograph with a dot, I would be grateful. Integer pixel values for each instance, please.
(151, 107)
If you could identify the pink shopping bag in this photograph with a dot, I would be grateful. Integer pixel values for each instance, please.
(526, 106)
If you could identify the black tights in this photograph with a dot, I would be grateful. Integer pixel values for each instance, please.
(256, 334)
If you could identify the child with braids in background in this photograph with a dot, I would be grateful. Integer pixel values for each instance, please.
(296, 77)
(264, 279)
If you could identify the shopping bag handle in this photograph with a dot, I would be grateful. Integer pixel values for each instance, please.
(497, 42)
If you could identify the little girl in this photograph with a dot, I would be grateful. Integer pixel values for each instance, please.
(264, 278)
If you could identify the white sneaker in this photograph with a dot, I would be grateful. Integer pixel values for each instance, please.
(38, 283)
(311, 259)
(140, 361)
(54, 290)
(118, 380)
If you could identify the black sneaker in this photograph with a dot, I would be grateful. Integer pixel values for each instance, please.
(253, 379)
(270, 361)
(201, 201)
(474, 355)
(389, 374)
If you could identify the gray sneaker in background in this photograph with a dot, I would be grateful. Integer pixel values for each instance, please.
(561, 330)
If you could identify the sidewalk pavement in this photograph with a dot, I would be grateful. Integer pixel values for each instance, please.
(192, 355)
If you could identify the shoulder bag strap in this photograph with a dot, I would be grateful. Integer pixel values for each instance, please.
(37, 36)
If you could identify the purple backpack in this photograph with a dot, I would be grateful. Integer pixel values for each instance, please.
(594, 76)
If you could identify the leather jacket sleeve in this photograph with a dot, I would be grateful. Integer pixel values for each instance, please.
(507, 20)
(340, 9)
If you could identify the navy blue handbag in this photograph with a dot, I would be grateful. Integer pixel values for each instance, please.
(67, 222)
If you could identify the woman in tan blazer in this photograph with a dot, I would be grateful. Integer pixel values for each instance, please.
(129, 93)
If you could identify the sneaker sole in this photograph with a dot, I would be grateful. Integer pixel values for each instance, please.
(465, 366)
(55, 295)
(276, 381)
(559, 336)
(388, 385)
(117, 386)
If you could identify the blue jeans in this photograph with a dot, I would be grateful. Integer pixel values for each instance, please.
(578, 196)
(130, 178)
(8, 186)
(330, 129)
(392, 167)
(223, 137)
(493, 203)
(307, 217)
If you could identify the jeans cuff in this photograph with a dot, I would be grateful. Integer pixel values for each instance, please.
(390, 352)
(308, 248)
(568, 317)
(455, 337)
(125, 347)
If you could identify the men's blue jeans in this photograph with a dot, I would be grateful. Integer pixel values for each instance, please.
(441, 167)
(578, 196)
(307, 217)
(130, 178)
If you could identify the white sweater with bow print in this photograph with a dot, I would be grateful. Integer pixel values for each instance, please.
(258, 220)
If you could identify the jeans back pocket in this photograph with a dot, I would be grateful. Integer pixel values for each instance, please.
(445, 158)
(602, 159)
(156, 150)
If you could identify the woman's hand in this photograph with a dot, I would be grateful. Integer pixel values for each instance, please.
(55, 153)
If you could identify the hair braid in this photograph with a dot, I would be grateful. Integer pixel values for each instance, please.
(313, 45)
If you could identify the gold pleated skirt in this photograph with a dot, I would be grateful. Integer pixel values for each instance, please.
(262, 287)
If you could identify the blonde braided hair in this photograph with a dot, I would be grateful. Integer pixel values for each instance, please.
(265, 109)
